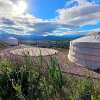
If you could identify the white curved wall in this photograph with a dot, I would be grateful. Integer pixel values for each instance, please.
(85, 53)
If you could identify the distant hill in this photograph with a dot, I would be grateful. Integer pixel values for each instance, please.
(34, 37)
(48, 38)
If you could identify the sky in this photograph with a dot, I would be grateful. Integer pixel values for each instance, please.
(49, 17)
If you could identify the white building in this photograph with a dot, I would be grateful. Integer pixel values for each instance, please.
(85, 51)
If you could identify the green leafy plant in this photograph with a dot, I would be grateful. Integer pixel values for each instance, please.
(41, 80)
(28, 82)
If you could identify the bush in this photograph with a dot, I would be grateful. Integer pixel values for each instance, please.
(28, 81)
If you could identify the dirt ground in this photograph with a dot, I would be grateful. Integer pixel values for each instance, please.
(70, 68)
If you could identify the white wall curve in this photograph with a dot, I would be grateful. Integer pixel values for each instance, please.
(85, 52)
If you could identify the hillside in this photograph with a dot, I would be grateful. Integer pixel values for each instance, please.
(3, 45)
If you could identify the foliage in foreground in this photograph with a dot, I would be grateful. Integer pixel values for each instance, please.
(29, 81)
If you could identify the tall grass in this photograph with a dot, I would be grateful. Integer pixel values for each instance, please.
(39, 81)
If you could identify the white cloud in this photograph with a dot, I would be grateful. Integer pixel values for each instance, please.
(5, 8)
(12, 7)
(82, 14)
(15, 20)
(82, 2)
(28, 24)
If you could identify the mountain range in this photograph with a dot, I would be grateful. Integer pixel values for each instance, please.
(32, 37)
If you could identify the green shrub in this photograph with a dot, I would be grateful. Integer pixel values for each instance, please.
(37, 81)
(26, 82)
